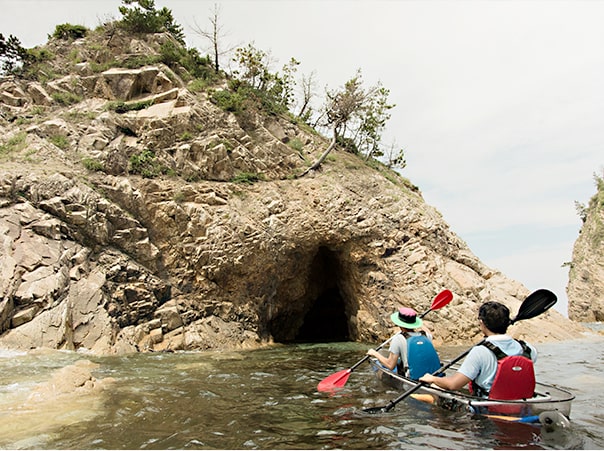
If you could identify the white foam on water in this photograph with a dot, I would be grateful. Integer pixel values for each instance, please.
(11, 353)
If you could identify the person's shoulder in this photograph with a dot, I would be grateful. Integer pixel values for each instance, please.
(399, 338)
(480, 350)
(477, 357)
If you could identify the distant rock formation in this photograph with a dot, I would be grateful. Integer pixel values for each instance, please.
(123, 230)
(586, 276)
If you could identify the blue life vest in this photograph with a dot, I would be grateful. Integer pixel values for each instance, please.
(422, 358)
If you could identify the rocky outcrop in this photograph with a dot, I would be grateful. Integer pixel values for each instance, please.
(69, 382)
(123, 227)
(70, 395)
(586, 276)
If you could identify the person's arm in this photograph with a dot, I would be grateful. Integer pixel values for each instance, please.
(454, 382)
(389, 362)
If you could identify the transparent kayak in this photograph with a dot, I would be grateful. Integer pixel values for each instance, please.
(550, 404)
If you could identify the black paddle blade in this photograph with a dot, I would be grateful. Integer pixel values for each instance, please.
(535, 304)
(374, 410)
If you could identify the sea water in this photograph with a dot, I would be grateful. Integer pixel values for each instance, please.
(267, 399)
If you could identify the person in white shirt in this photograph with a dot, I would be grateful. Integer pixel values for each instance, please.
(480, 365)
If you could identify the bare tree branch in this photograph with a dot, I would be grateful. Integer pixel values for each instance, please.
(308, 92)
(214, 36)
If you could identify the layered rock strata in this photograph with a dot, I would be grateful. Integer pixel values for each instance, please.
(123, 228)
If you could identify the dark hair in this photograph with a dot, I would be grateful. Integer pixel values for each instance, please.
(495, 316)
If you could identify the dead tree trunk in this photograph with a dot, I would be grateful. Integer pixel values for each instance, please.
(321, 159)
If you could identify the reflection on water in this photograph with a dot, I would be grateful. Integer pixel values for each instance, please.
(267, 399)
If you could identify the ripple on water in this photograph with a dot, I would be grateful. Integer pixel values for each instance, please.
(261, 375)
(326, 432)
(224, 376)
(207, 394)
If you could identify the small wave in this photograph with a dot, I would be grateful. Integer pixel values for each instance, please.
(326, 432)
(598, 327)
(12, 387)
(10, 353)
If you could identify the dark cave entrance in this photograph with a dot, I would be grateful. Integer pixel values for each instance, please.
(326, 320)
(325, 309)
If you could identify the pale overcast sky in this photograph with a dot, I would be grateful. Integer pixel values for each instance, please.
(500, 104)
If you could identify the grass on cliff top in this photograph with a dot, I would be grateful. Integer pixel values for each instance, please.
(108, 46)
(15, 143)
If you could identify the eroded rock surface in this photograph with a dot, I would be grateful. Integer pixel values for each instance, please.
(122, 229)
(586, 276)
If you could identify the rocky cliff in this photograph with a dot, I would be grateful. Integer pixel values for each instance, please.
(124, 226)
(586, 276)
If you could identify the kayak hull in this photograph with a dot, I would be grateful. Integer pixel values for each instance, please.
(549, 401)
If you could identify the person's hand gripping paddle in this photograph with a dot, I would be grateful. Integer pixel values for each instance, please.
(535, 304)
(338, 380)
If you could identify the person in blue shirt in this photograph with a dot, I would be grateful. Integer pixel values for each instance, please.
(480, 365)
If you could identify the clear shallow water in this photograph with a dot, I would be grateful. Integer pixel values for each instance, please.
(267, 399)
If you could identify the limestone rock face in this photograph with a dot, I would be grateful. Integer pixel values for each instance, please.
(124, 230)
(586, 277)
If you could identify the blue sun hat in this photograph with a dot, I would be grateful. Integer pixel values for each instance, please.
(406, 317)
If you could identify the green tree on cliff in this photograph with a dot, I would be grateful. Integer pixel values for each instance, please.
(254, 85)
(357, 118)
(140, 16)
(12, 54)
(596, 202)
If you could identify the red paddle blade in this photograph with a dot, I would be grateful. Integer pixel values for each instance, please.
(441, 299)
(336, 380)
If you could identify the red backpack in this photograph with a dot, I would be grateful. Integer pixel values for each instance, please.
(515, 377)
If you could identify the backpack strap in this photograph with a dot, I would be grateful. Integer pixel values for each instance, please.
(477, 389)
(495, 350)
(526, 350)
